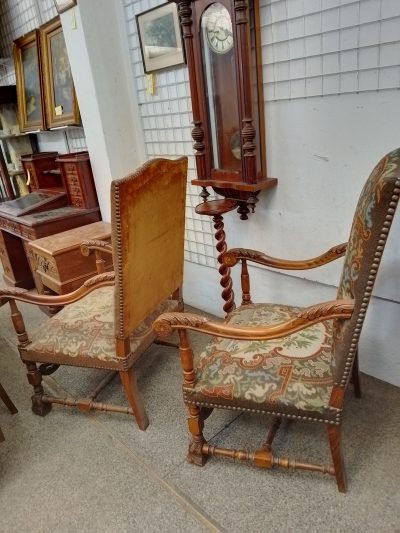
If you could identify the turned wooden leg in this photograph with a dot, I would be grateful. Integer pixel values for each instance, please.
(128, 379)
(272, 431)
(7, 401)
(337, 457)
(355, 377)
(196, 424)
(35, 379)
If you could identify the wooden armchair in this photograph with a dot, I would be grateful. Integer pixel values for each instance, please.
(106, 323)
(285, 361)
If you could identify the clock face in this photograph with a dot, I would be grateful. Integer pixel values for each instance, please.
(218, 26)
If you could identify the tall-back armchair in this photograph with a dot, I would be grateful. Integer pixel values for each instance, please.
(106, 323)
(284, 361)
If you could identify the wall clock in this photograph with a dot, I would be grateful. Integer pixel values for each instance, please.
(224, 61)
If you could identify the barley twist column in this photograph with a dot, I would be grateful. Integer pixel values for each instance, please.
(215, 209)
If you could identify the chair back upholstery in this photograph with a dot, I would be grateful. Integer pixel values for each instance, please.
(369, 231)
(148, 217)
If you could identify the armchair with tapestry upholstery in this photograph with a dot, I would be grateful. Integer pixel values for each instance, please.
(106, 323)
(283, 361)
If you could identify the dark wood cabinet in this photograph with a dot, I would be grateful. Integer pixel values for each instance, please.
(77, 175)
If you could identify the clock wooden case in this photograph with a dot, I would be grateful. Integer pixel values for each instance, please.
(224, 60)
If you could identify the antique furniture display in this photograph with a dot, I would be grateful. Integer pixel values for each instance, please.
(107, 322)
(29, 82)
(60, 101)
(222, 44)
(289, 362)
(44, 211)
(9, 404)
(57, 263)
(13, 144)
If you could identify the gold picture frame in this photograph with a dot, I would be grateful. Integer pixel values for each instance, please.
(61, 106)
(28, 74)
(160, 38)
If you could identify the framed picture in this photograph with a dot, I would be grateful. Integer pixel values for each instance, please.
(61, 106)
(160, 37)
(29, 82)
(63, 5)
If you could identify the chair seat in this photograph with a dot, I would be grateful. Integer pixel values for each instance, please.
(82, 333)
(292, 375)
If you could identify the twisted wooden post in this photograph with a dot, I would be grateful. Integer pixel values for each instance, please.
(217, 208)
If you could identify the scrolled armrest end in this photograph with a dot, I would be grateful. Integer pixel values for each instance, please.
(167, 322)
(229, 259)
(162, 327)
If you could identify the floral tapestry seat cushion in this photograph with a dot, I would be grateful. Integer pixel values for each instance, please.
(85, 330)
(292, 375)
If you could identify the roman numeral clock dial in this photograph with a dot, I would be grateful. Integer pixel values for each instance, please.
(219, 29)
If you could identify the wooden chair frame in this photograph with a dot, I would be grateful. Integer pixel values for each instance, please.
(129, 311)
(199, 449)
(363, 253)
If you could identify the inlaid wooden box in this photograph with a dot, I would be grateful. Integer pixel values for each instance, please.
(57, 262)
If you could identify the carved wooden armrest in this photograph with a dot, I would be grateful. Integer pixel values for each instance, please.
(87, 247)
(308, 316)
(101, 280)
(231, 257)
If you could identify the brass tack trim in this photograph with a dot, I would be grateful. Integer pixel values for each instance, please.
(119, 261)
(371, 279)
(263, 411)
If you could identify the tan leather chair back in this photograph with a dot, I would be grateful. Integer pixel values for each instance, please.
(148, 217)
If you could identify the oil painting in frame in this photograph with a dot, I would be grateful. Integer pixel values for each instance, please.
(160, 37)
(61, 106)
(26, 53)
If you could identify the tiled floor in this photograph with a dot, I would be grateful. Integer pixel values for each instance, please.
(72, 471)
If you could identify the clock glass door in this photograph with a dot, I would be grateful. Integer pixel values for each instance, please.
(221, 88)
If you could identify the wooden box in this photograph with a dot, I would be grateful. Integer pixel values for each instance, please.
(57, 263)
